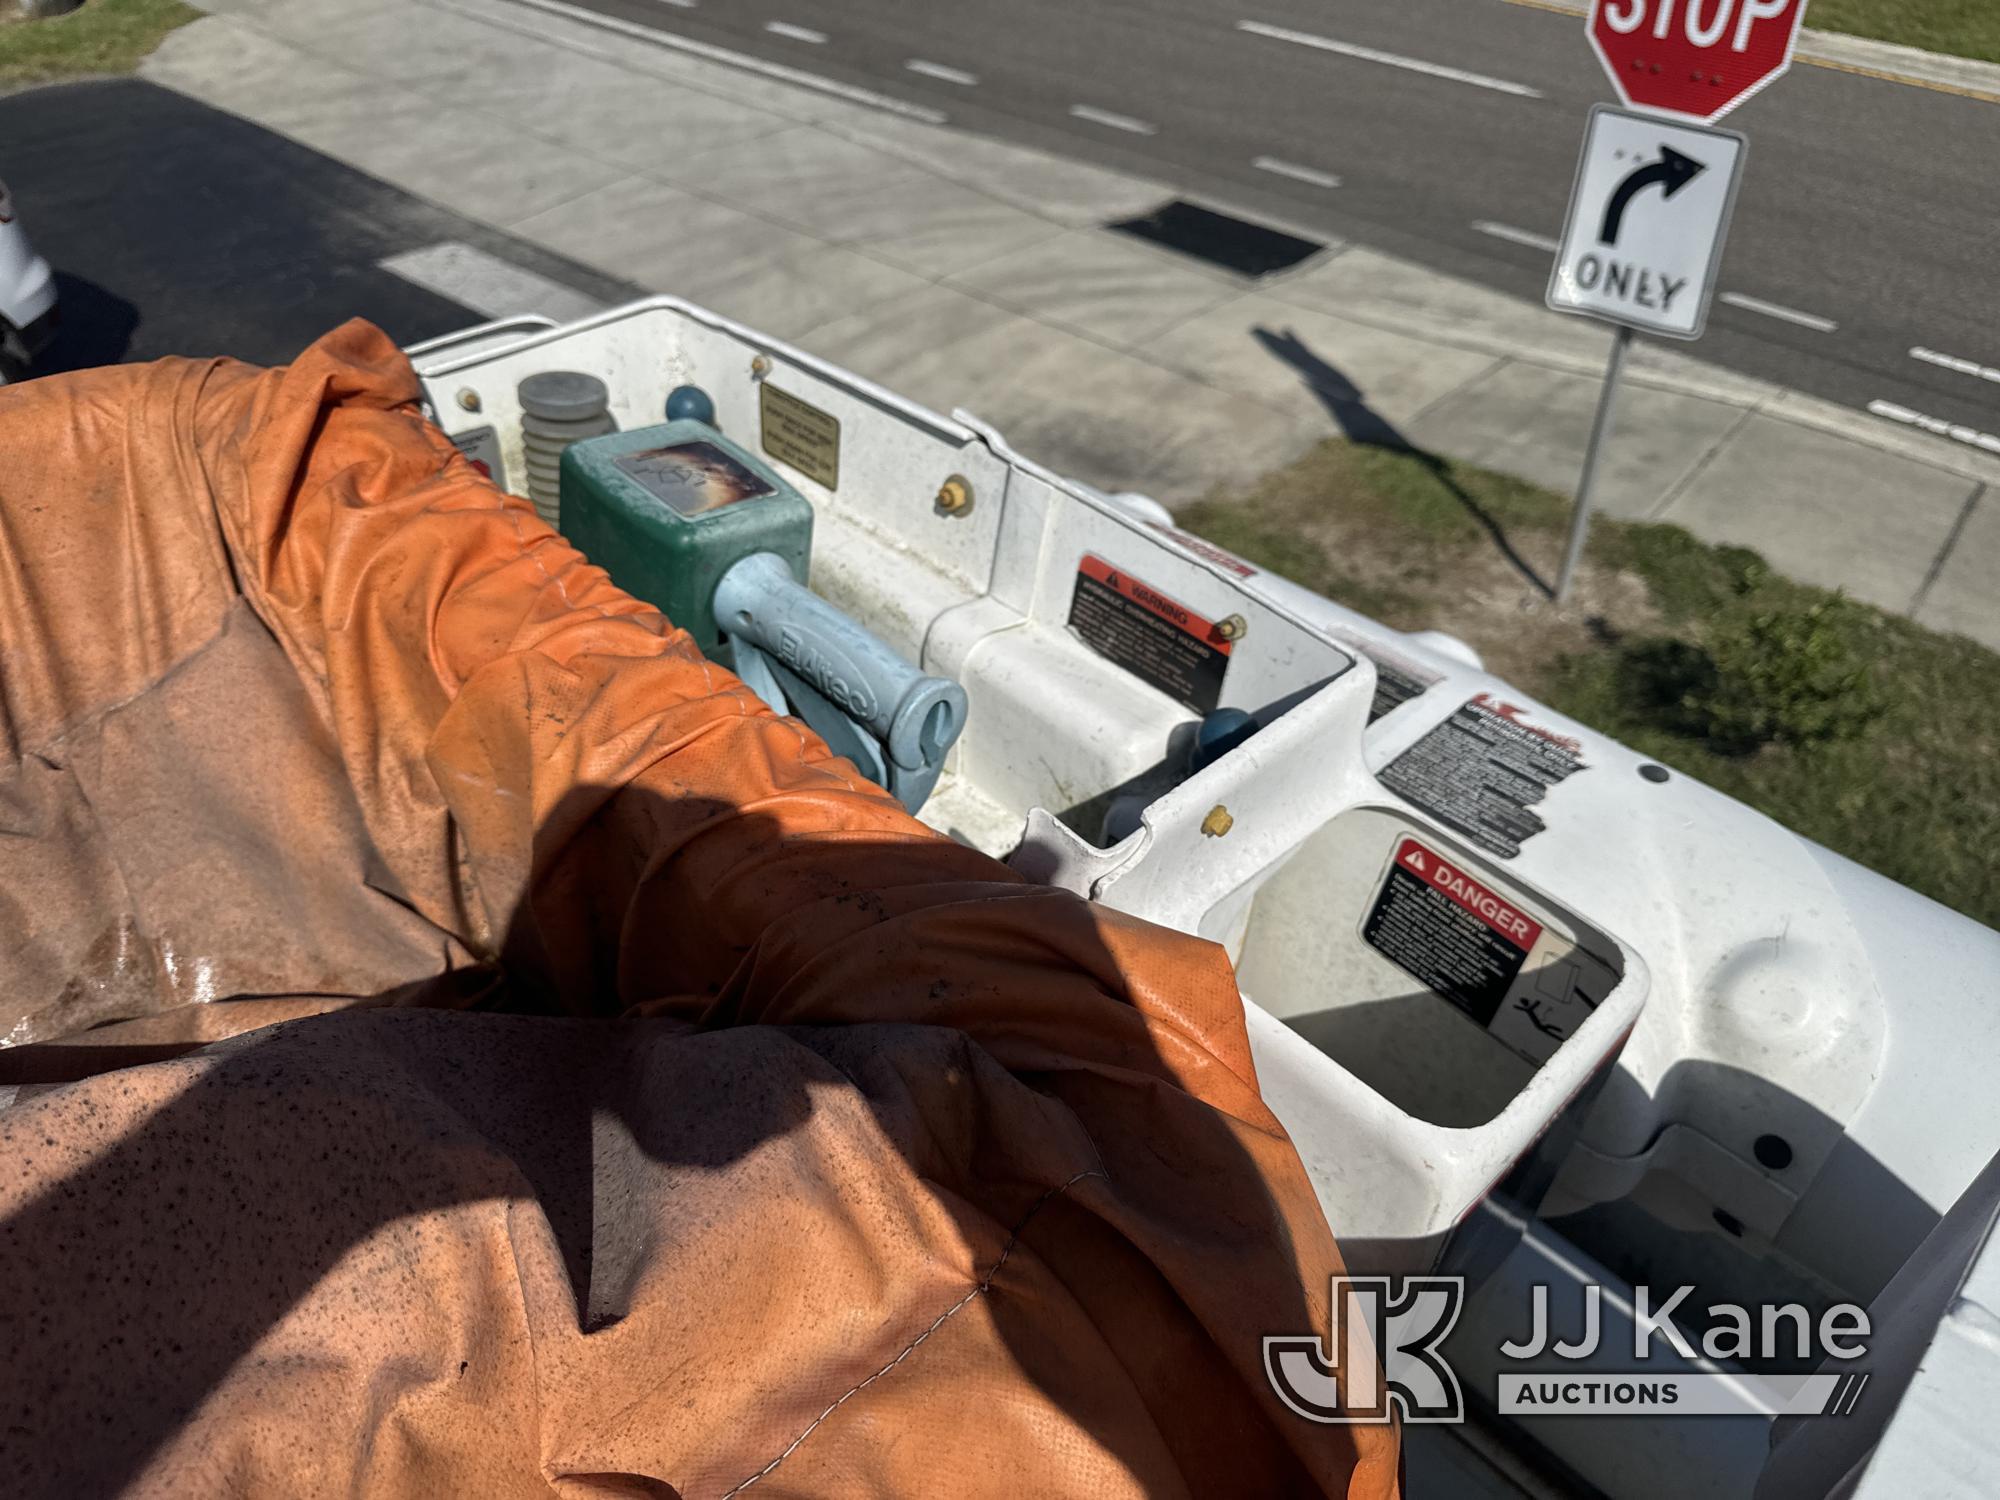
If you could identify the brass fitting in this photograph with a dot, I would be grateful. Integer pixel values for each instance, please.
(954, 496)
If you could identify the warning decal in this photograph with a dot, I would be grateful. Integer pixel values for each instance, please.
(1393, 688)
(1149, 635)
(1482, 769)
(1449, 932)
(1206, 549)
(482, 447)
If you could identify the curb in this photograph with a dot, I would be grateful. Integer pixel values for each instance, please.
(1685, 375)
(1745, 393)
(1898, 64)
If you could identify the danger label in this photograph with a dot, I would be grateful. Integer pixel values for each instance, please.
(1155, 638)
(1450, 932)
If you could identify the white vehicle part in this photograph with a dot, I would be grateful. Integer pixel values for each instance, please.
(1785, 1052)
(1055, 729)
(27, 284)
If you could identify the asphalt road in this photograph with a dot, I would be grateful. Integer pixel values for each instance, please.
(178, 229)
(1868, 205)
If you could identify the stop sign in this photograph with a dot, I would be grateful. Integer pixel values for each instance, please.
(1695, 58)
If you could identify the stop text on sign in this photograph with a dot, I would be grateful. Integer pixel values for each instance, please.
(1697, 59)
(1705, 22)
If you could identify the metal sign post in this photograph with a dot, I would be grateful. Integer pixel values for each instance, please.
(1600, 429)
(1647, 219)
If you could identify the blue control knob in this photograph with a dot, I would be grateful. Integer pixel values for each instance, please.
(690, 403)
(1218, 734)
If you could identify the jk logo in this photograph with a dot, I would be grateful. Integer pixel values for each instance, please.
(1383, 1349)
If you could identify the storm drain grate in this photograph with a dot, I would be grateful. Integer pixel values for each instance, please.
(1220, 239)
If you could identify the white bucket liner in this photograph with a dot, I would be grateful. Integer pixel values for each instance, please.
(1403, 829)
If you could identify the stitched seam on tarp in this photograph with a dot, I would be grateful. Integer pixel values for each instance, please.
(911, 1348)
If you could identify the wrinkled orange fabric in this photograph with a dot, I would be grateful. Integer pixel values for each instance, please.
(533, 1067)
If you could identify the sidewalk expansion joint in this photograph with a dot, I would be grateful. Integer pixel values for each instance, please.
(1944, 552)
(1700, 466)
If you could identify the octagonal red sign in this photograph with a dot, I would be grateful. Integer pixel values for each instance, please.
(1698, 59)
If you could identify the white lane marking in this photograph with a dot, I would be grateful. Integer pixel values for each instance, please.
(1952, 362)
(1938, 425)
(744, 60)
(487, 284)
(1776, 310)
(1515, 236)
(796, 33)
(1735, 299)
(678, 4)
(1115, 122)
(1296, 172)
(940, 72)
(1393, 59)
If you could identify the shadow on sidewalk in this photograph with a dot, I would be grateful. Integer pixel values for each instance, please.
(1361, 423)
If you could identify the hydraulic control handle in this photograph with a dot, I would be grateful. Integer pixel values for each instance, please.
(914, 719)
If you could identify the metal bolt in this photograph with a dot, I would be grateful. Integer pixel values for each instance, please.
(760, 366)
(468, 398)
(1232, 629)
(1218, 822)
(954, 496)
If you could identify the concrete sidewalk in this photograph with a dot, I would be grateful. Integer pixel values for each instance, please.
(965, 272)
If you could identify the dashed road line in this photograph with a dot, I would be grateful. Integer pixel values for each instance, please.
(1515, 236)
(1112, 121)
(1952, 362)
(943, 74)
(747, 61)
(1776, 310)
(1953, 430)
(796, 33)
(1392, 59)
(1296, 172)
(1550, 245)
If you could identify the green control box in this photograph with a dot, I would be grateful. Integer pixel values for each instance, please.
(667, 510)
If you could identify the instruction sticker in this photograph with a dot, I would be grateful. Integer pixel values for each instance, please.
(1528, 986)
(800, 434)
(481, 446)
(1151, 636)
(1394, 687)
(693, 479)
(1482, 769)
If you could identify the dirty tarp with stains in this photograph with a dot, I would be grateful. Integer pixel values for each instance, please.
(464, 1043)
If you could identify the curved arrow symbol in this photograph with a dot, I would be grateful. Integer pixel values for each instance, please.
(1672, 172)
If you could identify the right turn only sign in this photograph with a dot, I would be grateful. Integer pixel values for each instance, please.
(1646, 222)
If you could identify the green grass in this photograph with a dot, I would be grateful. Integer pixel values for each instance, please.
(1964, 28)
(1911, 788)
(105, 36)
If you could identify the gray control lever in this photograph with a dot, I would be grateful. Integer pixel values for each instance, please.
(868, 703)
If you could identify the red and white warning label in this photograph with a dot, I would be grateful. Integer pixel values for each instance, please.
(1530, 987)
(1155, 638)
(482, 447)
(1457, 936)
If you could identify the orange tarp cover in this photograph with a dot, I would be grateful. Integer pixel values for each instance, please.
(465, 1044)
